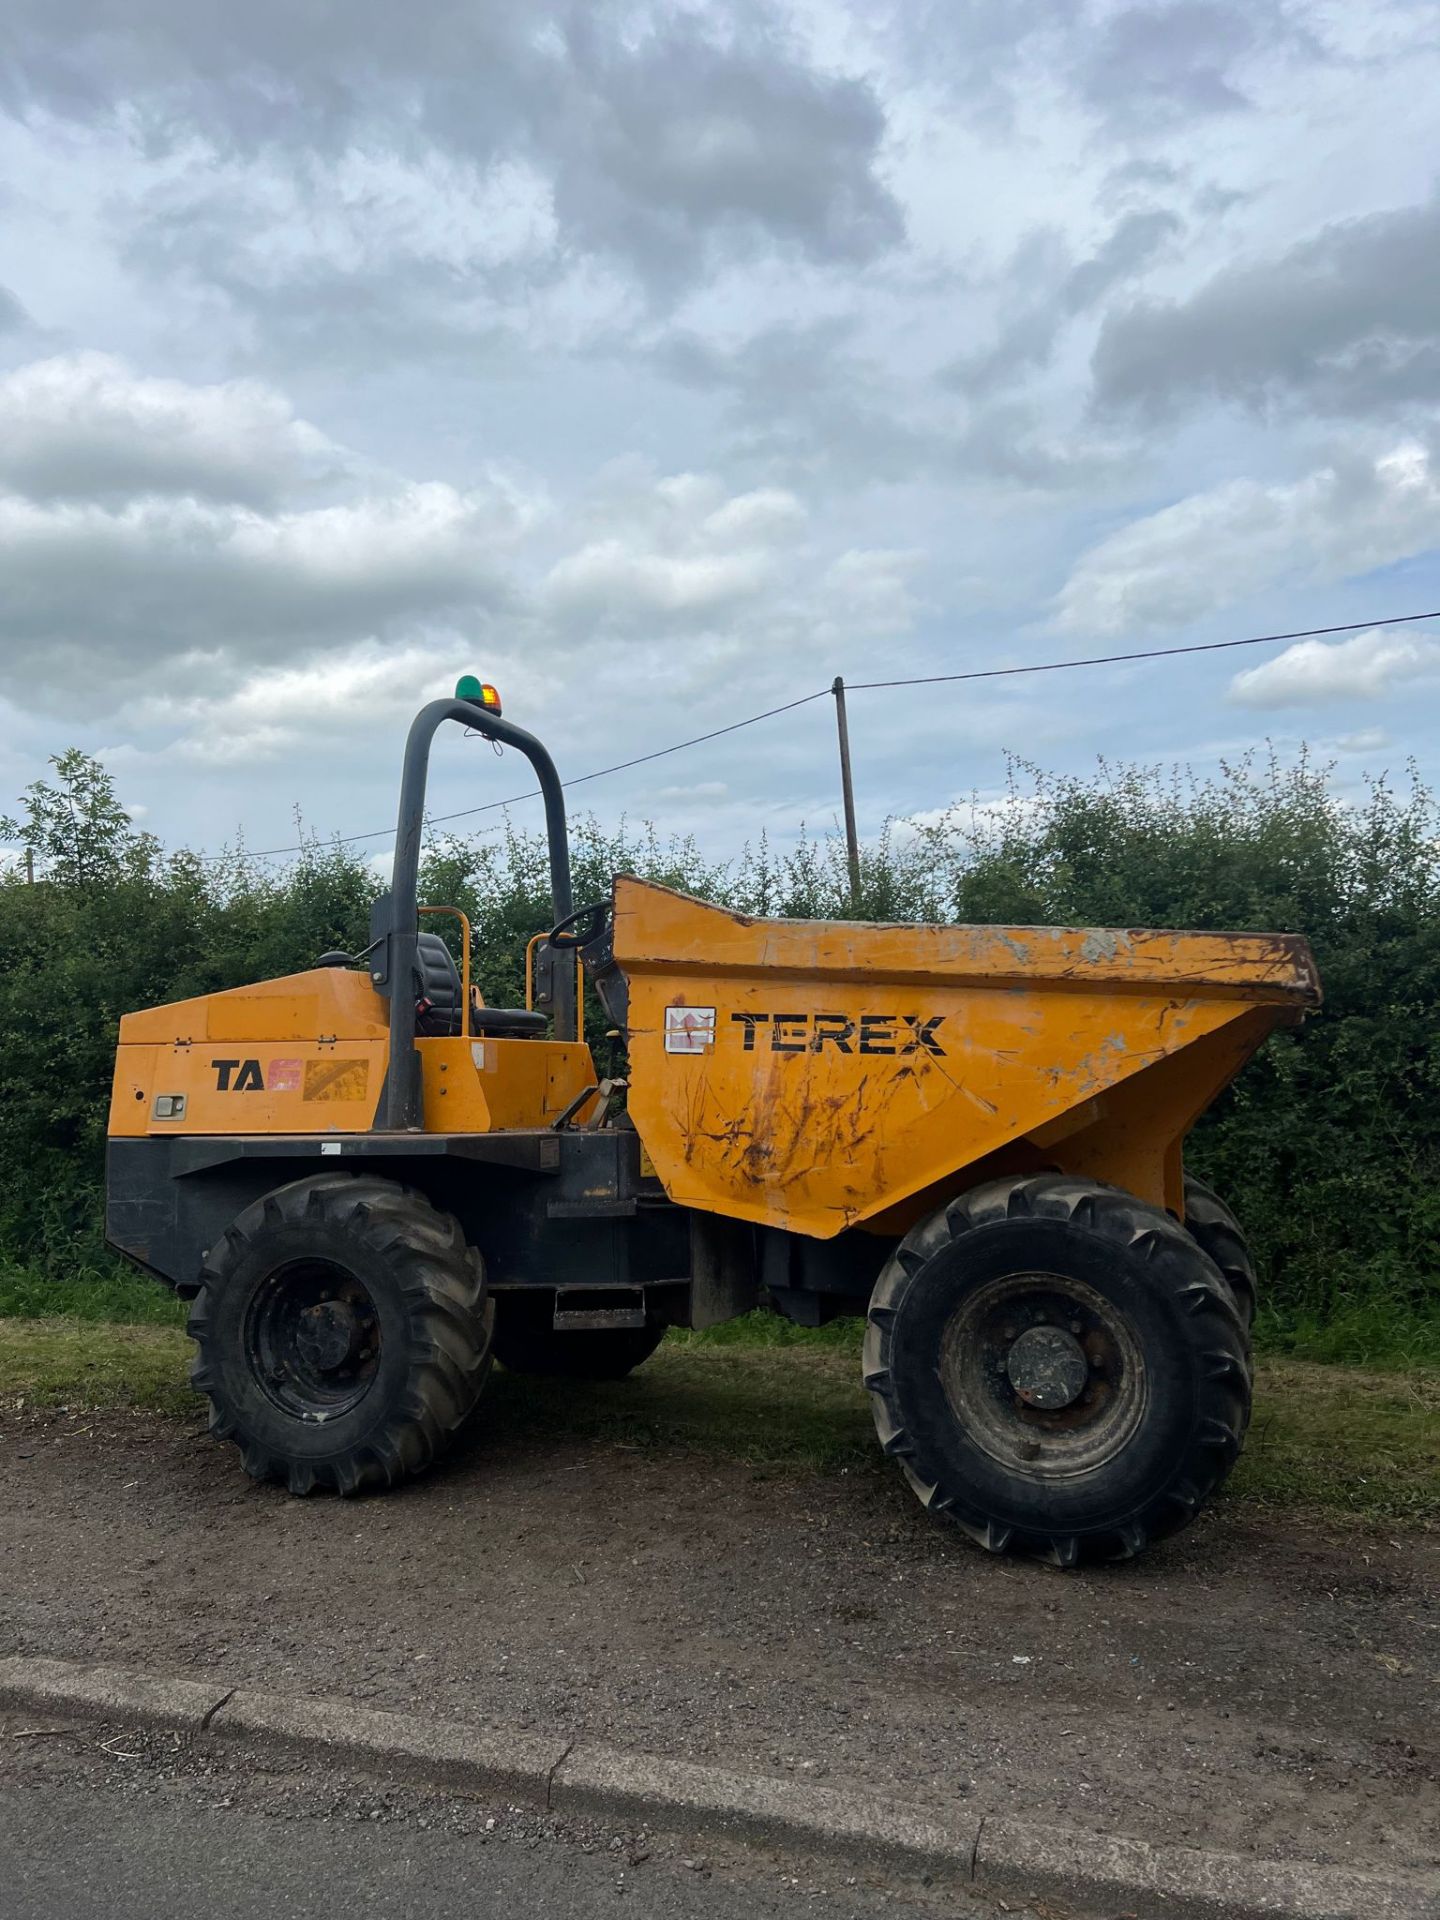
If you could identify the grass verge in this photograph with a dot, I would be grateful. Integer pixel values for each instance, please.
(112, 1293)
(78, 1364)
(1358, 1333)
(1333, 1439)
(1374, 1334)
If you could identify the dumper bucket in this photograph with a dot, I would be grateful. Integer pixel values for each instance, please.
(818, 1075)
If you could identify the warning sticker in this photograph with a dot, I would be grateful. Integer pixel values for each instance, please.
(336, 1079)
(689, 1029)
(283, 1076)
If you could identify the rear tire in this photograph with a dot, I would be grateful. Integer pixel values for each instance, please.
(342, 1333)
(527, 1342)
(1058, 1367)
(1211, 1223)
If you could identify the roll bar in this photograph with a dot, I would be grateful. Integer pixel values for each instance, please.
(392, 929)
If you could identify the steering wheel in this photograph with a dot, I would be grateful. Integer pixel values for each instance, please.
(582, 926)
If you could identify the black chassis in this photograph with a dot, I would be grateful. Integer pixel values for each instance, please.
(568, 1209)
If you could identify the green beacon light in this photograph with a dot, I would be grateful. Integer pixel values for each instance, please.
(479, 692)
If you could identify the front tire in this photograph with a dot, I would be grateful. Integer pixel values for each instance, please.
(1058, 1367)
(342, 1333)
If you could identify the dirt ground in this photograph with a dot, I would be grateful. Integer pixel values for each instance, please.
(1260, 1685)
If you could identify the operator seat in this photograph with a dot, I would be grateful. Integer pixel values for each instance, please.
(439, 999)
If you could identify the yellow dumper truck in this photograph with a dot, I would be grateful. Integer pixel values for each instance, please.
(370, 1184)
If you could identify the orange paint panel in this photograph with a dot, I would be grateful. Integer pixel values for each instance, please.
(253, 1086)
(814, 1075)
(493, 1085)
(308, 1054)
(326, 1003)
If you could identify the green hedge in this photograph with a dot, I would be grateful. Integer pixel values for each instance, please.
(1326, 1146)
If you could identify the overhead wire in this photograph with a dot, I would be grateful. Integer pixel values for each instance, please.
(1145, 653)
(858, 686)
(599, 773)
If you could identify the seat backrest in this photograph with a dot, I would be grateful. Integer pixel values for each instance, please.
(437, 986)
(439, 999)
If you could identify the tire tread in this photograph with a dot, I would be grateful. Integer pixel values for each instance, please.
(1174, 1259)
(1214, 1227)
(442, 1283)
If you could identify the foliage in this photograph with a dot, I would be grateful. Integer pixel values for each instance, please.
(1328, 1145)
(112, 1291)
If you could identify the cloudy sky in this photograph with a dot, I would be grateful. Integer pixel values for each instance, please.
(661, 361)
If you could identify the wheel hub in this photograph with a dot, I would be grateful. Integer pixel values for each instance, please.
(312, 1338)
(328, 1335)
(1048, 1368)
(1044, 1373)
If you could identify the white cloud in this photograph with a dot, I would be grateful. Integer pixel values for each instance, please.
(979, 819)
(701, 790)
(866, 593)
(684, 551)
(118, 590)
(326, 702)
(768, 514)
(266, 715)
(83, 426)
(1217, 547)
(669, 141)
(234, 635)
(868, 284)
(1366, 667)
(607, 578)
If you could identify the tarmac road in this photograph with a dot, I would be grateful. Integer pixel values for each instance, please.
(71, 1855)
(93, 1835)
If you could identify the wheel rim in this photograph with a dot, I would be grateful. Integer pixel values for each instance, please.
(1044, 1374)
(312, 1338)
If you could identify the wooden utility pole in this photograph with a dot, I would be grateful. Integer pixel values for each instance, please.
(847, 789)
(30, 865)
